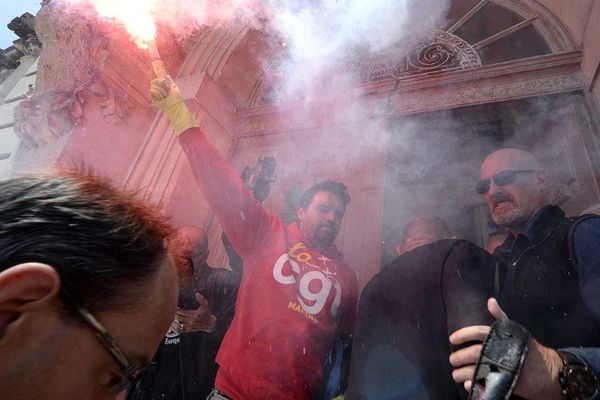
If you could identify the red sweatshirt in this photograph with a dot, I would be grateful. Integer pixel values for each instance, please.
(293, 298)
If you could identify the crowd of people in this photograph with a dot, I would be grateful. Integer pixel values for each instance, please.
(91, 278)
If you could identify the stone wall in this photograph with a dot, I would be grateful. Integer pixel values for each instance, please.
(582, 19)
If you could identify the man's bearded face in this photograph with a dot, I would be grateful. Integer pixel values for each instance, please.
(321, 221)
(511, 204)
(505, 209)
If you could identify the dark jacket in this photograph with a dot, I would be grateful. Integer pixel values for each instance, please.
(539, 283)
(184, 366)
(407, 311)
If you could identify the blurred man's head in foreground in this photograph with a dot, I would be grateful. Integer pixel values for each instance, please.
(87, 286)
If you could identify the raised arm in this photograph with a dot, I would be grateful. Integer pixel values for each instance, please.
(243, 219)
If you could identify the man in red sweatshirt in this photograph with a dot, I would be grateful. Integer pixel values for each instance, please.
(296, 294)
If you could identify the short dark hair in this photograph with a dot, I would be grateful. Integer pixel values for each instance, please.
(102, 241)
(337, 188)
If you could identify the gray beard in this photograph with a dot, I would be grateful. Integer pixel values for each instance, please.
(509, 217)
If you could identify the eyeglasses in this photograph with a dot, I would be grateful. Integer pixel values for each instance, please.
(501, 178)
(130, 371)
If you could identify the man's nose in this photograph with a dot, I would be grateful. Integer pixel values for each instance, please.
(494, 188)
(330, 216)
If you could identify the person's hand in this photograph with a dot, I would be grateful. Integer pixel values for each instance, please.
(465, 359)
(199, 320)
(165, 95)
(539, 376)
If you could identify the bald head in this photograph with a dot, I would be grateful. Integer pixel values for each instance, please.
(515, 184)
(421, 231)
(509, 158)
(194, 243)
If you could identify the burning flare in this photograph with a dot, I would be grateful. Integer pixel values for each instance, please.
(137, 17)
(157, 65)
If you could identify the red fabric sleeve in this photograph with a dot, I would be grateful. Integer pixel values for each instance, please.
(241, 216)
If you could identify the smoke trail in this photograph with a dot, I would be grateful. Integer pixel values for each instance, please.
(319, 35)
(184, 17)
(141, 17)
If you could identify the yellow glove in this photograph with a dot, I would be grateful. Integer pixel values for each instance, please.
(166, 96)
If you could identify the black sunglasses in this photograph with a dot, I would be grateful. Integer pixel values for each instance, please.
(501, 178)
(131, 372)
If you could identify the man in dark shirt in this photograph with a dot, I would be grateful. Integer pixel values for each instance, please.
(437, 285)
(548, 280)
(184, 366)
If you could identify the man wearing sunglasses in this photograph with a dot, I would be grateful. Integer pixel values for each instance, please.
(548, 280)
(87, 287)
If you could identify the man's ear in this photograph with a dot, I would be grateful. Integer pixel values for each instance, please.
(24, 288)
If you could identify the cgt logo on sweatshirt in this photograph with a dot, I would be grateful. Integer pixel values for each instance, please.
(314, 273)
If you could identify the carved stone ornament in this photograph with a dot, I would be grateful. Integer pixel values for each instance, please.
(69, 76)
(479, 94)
(23, 27)
(40, 120)
(443, 52)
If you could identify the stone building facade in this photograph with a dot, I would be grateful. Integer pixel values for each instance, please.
(18, 64)
(501, 72)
